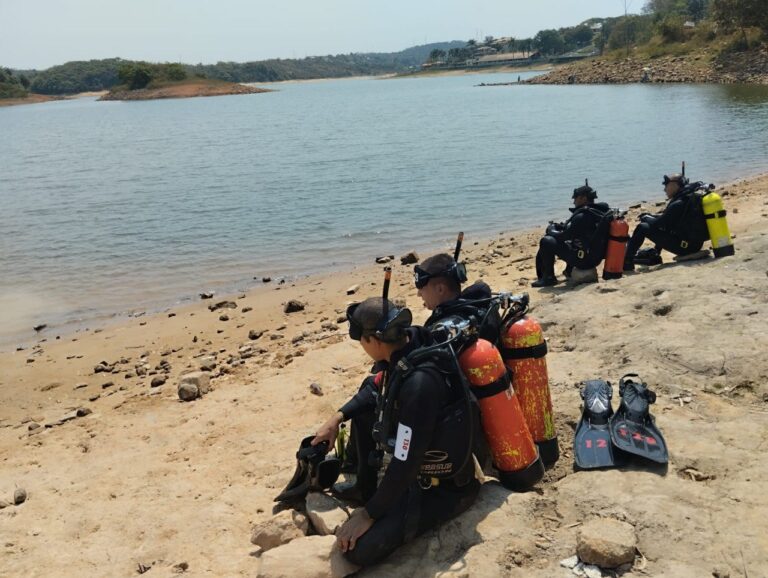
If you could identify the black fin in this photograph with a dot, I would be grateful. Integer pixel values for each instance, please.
(592, 447)
(633, 428)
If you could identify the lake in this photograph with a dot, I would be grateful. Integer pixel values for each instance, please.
(113, 207)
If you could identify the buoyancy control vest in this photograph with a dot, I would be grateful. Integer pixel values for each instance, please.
(450, 449)
(692, 224)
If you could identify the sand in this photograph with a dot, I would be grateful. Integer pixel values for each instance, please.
(147, 479)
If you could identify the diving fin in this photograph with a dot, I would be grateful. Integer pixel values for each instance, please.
(649, 256)
(314, 471)
(633, 428)
(592, 447)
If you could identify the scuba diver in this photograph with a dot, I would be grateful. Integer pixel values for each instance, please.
(675, 229)
(576, 241)
(417, 409)
(438, 282)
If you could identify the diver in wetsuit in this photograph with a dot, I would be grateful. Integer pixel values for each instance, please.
(438, 282)
(573, 240)
(430, 478)
(672, 229)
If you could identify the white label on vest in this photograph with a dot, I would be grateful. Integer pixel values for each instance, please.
(403, 443)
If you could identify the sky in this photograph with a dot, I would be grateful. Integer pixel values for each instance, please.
(42, 33)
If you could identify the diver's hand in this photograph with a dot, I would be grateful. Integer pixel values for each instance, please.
(357, 525)
(329, 430)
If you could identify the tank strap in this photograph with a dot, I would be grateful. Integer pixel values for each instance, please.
(533, 352)
(716, 214)
(493, 388)
(623, 239)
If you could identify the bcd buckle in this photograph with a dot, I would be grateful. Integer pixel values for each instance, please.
(683, 244)
(580, 254)
(426, 482)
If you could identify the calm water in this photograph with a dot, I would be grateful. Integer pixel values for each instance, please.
(109, 207)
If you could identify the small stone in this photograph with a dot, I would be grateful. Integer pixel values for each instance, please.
(663, 310)
(171, 315)
(266, 279)
(157, 381)
(384, 260)
(83, 411)
(206, 295)
(207, 363)
(107, 384)
(591, 571)
(33, 426)
(353, 289)
(325, 512)
(293, 306)
(180, 567)
(409, 258)
(315, 389)
(569, 563)
(606, 542)
(40, 327)
(188, 392)
(311, 556)
(254, 334)
(280, 529)
(19, 496)
(247, 309)
(223, 317)
(222, 305)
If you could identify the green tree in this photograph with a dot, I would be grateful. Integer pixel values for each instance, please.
(741, 14)
(436, 55)
(549, 42)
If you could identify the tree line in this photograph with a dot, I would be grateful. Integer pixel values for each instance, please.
(12, 85)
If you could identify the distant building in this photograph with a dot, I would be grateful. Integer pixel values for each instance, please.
(689, 24)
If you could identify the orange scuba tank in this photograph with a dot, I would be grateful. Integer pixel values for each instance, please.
(618, 235)
(524, 351)
(514, 453)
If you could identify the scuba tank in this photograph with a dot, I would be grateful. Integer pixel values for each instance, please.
(509, 440)
(618, 235)
(717, 225)
(524, 351)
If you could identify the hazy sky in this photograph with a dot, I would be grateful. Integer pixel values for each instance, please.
(41, 33)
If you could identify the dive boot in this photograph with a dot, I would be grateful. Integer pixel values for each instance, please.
(546, 281)
(633, 428)
(648, 257)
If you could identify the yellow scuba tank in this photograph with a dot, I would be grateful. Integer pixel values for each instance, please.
(719, 234)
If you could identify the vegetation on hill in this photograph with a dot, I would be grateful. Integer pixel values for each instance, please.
(96, 75)
(11, 85)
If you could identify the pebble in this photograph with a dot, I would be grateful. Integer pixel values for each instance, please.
(247, 309)
(293, 306)
(223, 317)
(206, 295)
(384, 260)
(157, 381)
(315, 388)
(353, 289)
(410, 258)
(83, 411)
(19, 496)
(254, 334)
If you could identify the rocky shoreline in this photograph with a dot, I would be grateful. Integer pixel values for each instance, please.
(736, 68)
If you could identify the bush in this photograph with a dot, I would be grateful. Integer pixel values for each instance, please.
(671, 29)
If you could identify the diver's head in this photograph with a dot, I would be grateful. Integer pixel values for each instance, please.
(379, 326)
(673, 183)
(438, 279)
(584, 195)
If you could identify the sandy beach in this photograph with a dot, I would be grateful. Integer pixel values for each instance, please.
(143, 480)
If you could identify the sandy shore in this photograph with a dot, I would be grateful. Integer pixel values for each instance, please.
(146, 479)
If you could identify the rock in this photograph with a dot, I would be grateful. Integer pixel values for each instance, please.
(254, 334)
(180, 567)
(280, 529)
(308, 557)
(83, 411)
(188, 392)
(223, 317)
(591, 571)
(33, 426)
(206, 295)
(663, 310)
(315, 389)
(222, 305)
(409, 258)
(247, 309)
(19, 496)
(569, 563)
(207, 363)
(293, 306)
(580, 276)
(199, 379)
(107, 384)
(266, 279)
(40, 327)
(353, 289)
(325, 512)
(606, 542)
(157, 381)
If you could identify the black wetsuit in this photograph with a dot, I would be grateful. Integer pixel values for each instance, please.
(400, 507)
(665, 230)
(463, 307)
(572, 242)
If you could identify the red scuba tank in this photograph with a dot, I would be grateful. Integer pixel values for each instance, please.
(524, 351)
(514, 453)
(618, 235)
